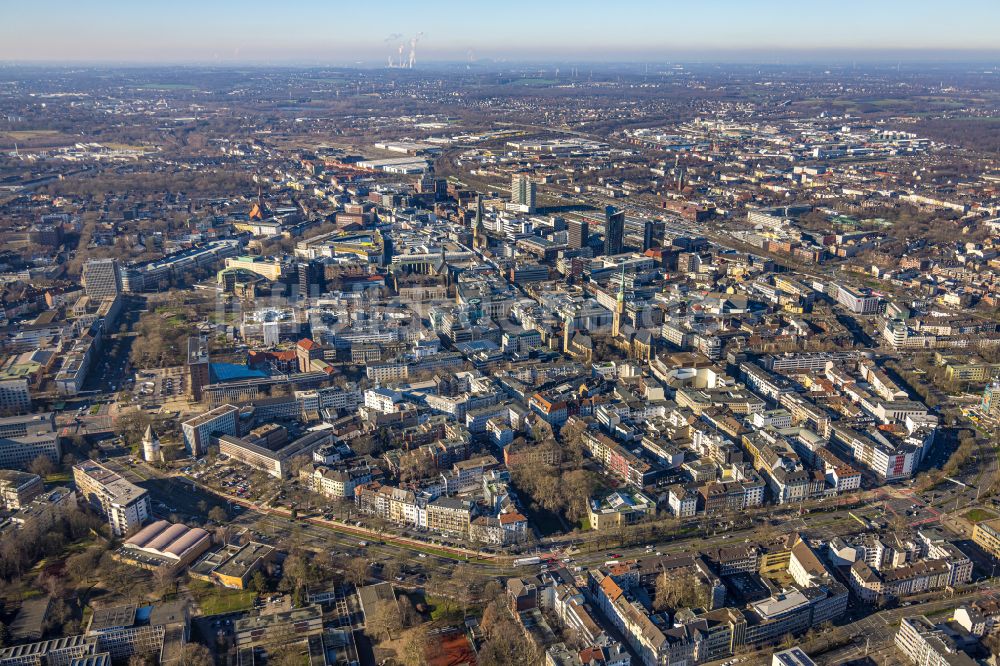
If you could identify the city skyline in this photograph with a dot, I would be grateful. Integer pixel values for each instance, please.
(310, 32)
(639, 333)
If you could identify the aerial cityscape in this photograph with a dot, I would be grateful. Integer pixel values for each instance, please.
(463, 339)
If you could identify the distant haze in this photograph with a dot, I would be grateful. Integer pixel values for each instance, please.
(340, 32)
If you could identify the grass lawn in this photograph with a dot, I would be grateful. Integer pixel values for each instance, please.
(58, 477)
(978, 515)
(443, 608)
(215, 600)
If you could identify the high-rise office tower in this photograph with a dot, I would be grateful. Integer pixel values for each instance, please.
(614, 231)
(647, 235)
(522, 191)
(310, 276)
(579, 231)
(198, 368)
(102, 278)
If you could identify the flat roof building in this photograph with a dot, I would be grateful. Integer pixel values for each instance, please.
(102, 278)
(127, 630)
(125, 505)
(199, 431)
(791, 657)
(926, 644)
(293, 625)
(18, 488)
(54, 652)
(24, 438)
(986, 534)
(276, 461)
(233, 566)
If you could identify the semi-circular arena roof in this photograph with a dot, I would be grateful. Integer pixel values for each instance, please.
(167, 540)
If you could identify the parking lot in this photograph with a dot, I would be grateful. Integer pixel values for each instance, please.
(158, 386)
(232, 478)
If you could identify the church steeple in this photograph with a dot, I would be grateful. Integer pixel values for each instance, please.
(258, 211)
(616, 321)
(479, 229)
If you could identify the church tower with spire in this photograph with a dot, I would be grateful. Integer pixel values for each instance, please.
(479, 228)
(616, 322)
(567, 332)
(259, 211)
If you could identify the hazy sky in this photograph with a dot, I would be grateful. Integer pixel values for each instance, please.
(343, 32)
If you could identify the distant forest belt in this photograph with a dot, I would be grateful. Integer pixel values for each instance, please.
(981, 134)
(207, 181)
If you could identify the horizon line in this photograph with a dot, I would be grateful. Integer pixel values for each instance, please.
(782, 57)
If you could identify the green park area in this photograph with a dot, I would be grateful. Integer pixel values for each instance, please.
(215, 600)
(978, 515)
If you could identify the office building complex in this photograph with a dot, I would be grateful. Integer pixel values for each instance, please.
(124, 631)
(273, 457)
(199, 431)
(66, 651)
(24, 438)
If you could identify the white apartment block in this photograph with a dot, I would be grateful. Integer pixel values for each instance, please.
(125, 505)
